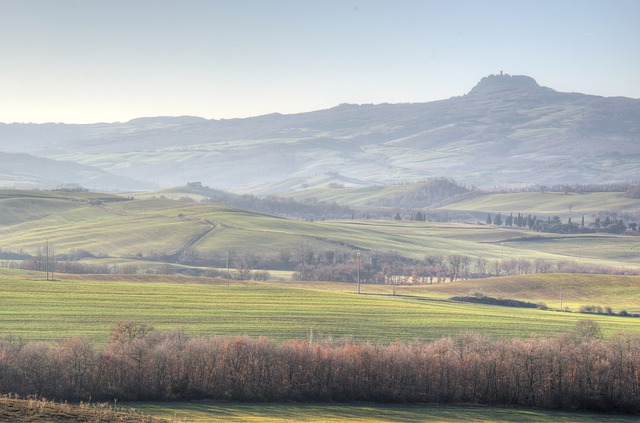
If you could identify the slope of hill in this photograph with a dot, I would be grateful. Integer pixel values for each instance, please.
(25, 171)
(430, 193)
(507, 131)
(548, 204)
(575, 290)
(164, 230)
(272, 205)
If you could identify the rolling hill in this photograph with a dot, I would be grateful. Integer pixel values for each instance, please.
(150, 231)
(507, 131)
(25, 171)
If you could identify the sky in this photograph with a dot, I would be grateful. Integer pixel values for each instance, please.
(88, 61)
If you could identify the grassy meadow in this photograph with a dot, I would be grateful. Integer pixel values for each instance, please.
(52, 310)
(549, 203)
(546, 204)
(121, 231)
(618, 292)
(148, 228)
(32, 410)
(359, 413)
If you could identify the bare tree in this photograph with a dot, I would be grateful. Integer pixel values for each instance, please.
(244, 267)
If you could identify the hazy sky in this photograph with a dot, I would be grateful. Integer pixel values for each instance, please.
(113, 60)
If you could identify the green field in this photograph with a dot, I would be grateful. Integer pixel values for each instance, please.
(548, 204)
(143, 231)
(543, 205)
(317, 413)
(618, 292)
(51, 310)
(152, 228)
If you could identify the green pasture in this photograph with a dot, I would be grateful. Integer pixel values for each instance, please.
(548, 204)
(317, 413)
(18, 210)
(419, 239)
(51, 310)
(148, 228)
(618, 292)
(542, 205)
(101, 233)
(351, 196)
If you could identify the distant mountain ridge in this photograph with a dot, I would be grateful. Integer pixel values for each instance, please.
(24, 171)
(507, 131)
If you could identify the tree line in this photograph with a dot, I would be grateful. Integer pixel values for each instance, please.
(573, 188)
(606, 224)
(574, 371)
(393, 269)
(430, 193)
(336, 265)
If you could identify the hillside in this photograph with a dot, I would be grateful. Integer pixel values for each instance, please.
(25, 171)
(618, 292)
(507, 131)
(545, 204)
(39, 310)
(147, 232)
(425, 194)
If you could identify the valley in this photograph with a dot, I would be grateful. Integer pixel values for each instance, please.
(330, 238)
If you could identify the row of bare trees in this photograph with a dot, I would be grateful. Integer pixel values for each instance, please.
(390, 269)
(574, 371)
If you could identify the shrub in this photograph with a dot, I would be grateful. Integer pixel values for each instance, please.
(139, 363)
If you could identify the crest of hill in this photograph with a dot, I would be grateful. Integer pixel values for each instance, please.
(269, 205)
(507, 131)
(508, 84)
(429, 193)
(25, 171)
(167, 120)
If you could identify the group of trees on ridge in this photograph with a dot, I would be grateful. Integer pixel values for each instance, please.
(555, 225)
(419, 197)
(574, 371)
(626, 187)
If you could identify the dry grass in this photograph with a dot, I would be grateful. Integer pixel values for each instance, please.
(14, 410)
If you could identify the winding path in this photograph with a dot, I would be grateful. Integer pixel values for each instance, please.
(173, 257)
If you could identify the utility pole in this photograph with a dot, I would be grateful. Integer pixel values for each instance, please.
(358, 256)
(46, 262)
(228, 275)
(53, 263)
(561, 282)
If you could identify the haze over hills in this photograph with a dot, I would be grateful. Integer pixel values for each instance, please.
(507, 131)
(25, 171)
